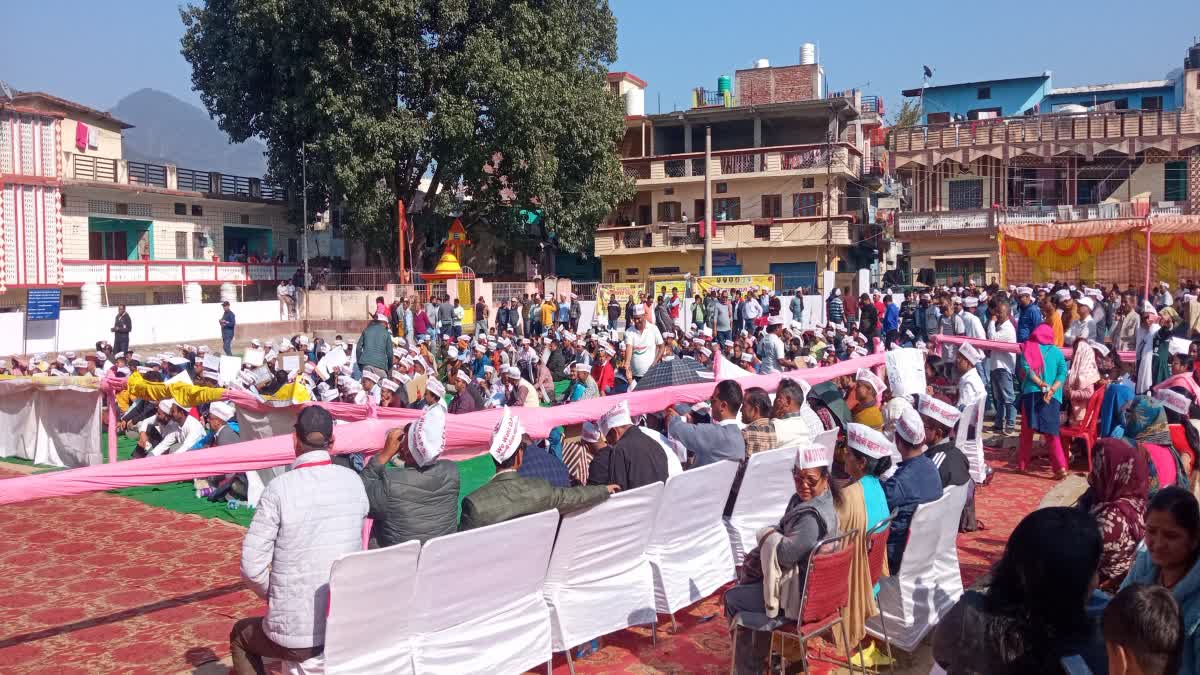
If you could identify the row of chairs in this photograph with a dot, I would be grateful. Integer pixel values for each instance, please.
(503, 598)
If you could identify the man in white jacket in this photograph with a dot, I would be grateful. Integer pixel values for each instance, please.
(306, 519)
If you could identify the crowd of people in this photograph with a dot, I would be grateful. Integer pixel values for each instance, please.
(1132, 374)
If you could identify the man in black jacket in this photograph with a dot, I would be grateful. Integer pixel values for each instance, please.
(632, 458)
(121, 327)
(418, 500)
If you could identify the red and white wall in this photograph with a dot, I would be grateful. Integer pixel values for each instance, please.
(31, 237)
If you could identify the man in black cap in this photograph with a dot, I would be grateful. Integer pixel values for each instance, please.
(228, 324)
(305, 520)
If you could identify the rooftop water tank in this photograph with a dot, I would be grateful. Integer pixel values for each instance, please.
(808, 54)
(725, 84)
(762, 63)
(635, 101)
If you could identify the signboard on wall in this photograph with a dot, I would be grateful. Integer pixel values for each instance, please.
(740, 282)
(624, 292)
(43, 304)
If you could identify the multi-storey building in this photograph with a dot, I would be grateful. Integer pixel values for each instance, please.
(1019, 151)
(788, 164)
(73, 210)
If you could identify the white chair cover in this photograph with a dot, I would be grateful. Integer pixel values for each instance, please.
(478, 605)
(763, 497)
(689, 547)
(599, 579)
(367, 631)
(968, 437)
(930, 581)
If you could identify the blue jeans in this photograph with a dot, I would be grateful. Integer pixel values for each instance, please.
(1005, 398)
(989, 402)
(227, 343)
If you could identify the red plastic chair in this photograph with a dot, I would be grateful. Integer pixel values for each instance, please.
(1089, 429)
(826, 594)
(876, 557)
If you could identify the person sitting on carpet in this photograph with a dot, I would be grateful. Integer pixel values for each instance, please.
(187, 432)
(1033, 612)
(305, 520)
(418, 499)
(783, 549)
(509, 495)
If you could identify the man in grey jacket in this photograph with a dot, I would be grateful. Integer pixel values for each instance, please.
(306, 519)
(418, 500)
(710, 443)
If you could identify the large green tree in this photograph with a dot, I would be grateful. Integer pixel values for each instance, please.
(501, 101)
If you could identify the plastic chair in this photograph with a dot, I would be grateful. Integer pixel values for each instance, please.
(876, 556)
(826, 594)
(1088, 430)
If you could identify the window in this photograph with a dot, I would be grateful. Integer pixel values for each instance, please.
(107, 246)
(122, 209)
(197, 210)
(669, 191)
(612, 276)
(983, 93)
(698, 209)
(181, 245)
(293, 252)
(937, 118)
(1176, 187)
(809, 183)
(762, 232)
(663, 270)
(959, 271)
(244, 219)
(1152, 103)
(983, 114)
(643, 214)
(806, 204)
(727, 208)
(180, 209)
(722, 188)
(772, 206)
(669, 212)
(631, 272)
(966, 194)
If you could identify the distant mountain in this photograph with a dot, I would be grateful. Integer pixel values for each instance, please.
(168, 130)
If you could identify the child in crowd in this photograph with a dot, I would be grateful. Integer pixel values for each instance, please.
(1143, 632)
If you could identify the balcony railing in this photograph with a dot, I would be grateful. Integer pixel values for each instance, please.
(810, 158)
(804, 159)
(982, 219)
(707, 98)
(192, 180)
(943, 221)
(743, 162)
(170, 271)
(637, 170)
(96, 169)
(1055, 127)
(152, 175)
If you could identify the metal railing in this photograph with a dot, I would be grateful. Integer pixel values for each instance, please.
(152, 175)
(705, 98)
(192, 180)
(98, 169)
(584, 290)
(743, 162)
(942, 221)
(634, 238)
(637, 170)
(238, 186)
(676, 168)
(358, 279)
(1050, 127)
(803, 159)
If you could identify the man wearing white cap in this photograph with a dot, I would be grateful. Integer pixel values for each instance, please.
(632, 458)
(1029, 316)
(643, 345)
(970, 383)
(915, 482)
(510, 495)
(220, 414)
(810, 516)
(187, 433)
(939, 419)
(154, 428)
(1084, 326)
(412, 493)
(770, 349)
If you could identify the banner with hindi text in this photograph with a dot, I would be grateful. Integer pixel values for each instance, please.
(739, 282)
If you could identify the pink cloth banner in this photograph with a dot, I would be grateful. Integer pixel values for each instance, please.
(467, 435)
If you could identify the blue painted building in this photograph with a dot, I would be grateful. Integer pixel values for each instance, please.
(1147, 95)
(983, 99)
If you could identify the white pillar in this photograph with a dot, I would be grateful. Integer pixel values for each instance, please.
(193, 294)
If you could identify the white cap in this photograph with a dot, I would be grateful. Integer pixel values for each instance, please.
(177, 361)
(381, 317)
(256, 342)
(435, 387)
(390, 385)
(1063, 294)
(506, 437)
(639, 310)
(462, 375)
(512, 371)
(876, 382)
(747, 357)
(368, 375)
(223, 410)
(452, 353)
(1179, 346)
(1173, 400)
(969, 352)
(590, 433)
(1100, 347)
(427, 436)
(938, 411)
(1087, 302)
(618, 416)
(814, 457)
(329, 395)
(868, 441)
(909, 426)
(166, 405)
(582, 368)
(970, 301)
(775, 321)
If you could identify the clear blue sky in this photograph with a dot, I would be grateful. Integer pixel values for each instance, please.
(103, 51)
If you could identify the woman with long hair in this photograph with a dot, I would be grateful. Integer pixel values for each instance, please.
(1169, 557)
(1033, 612)
(1043, 372)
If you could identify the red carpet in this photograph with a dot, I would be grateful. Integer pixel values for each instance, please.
(104, 584)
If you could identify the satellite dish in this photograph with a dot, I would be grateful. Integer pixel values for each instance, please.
(6, 91)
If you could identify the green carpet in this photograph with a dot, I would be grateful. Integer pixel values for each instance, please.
(181, 496)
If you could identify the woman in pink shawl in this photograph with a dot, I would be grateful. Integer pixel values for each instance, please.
(1081, 379)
